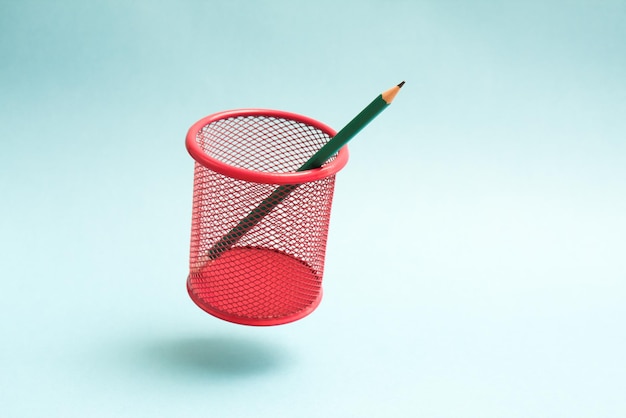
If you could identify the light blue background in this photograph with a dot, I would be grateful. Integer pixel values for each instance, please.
(476, 260)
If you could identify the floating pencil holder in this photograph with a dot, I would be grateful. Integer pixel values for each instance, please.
(259, 226)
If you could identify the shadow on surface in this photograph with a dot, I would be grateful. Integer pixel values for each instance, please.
(209, 356)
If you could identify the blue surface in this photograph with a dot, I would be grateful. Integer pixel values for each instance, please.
(475, 266)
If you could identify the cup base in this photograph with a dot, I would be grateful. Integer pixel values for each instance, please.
(256, 286)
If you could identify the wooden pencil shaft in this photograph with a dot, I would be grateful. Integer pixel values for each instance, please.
(246, 224)
(346, 134)
(317, 160)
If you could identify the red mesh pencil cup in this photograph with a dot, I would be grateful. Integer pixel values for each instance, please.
(259, 226)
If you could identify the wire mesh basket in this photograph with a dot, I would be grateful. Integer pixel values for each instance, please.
(259, 226)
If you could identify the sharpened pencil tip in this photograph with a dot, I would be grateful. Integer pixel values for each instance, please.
(391, 93)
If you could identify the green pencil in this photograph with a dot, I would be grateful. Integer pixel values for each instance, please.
(379, 104)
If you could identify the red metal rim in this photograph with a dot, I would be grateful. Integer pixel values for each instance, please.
(298, 177)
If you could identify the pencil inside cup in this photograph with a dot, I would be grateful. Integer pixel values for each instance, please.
(333, 146)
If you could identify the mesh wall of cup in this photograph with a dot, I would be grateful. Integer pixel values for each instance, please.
(275, 269)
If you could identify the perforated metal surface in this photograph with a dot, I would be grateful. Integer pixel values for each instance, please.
(272, 274)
